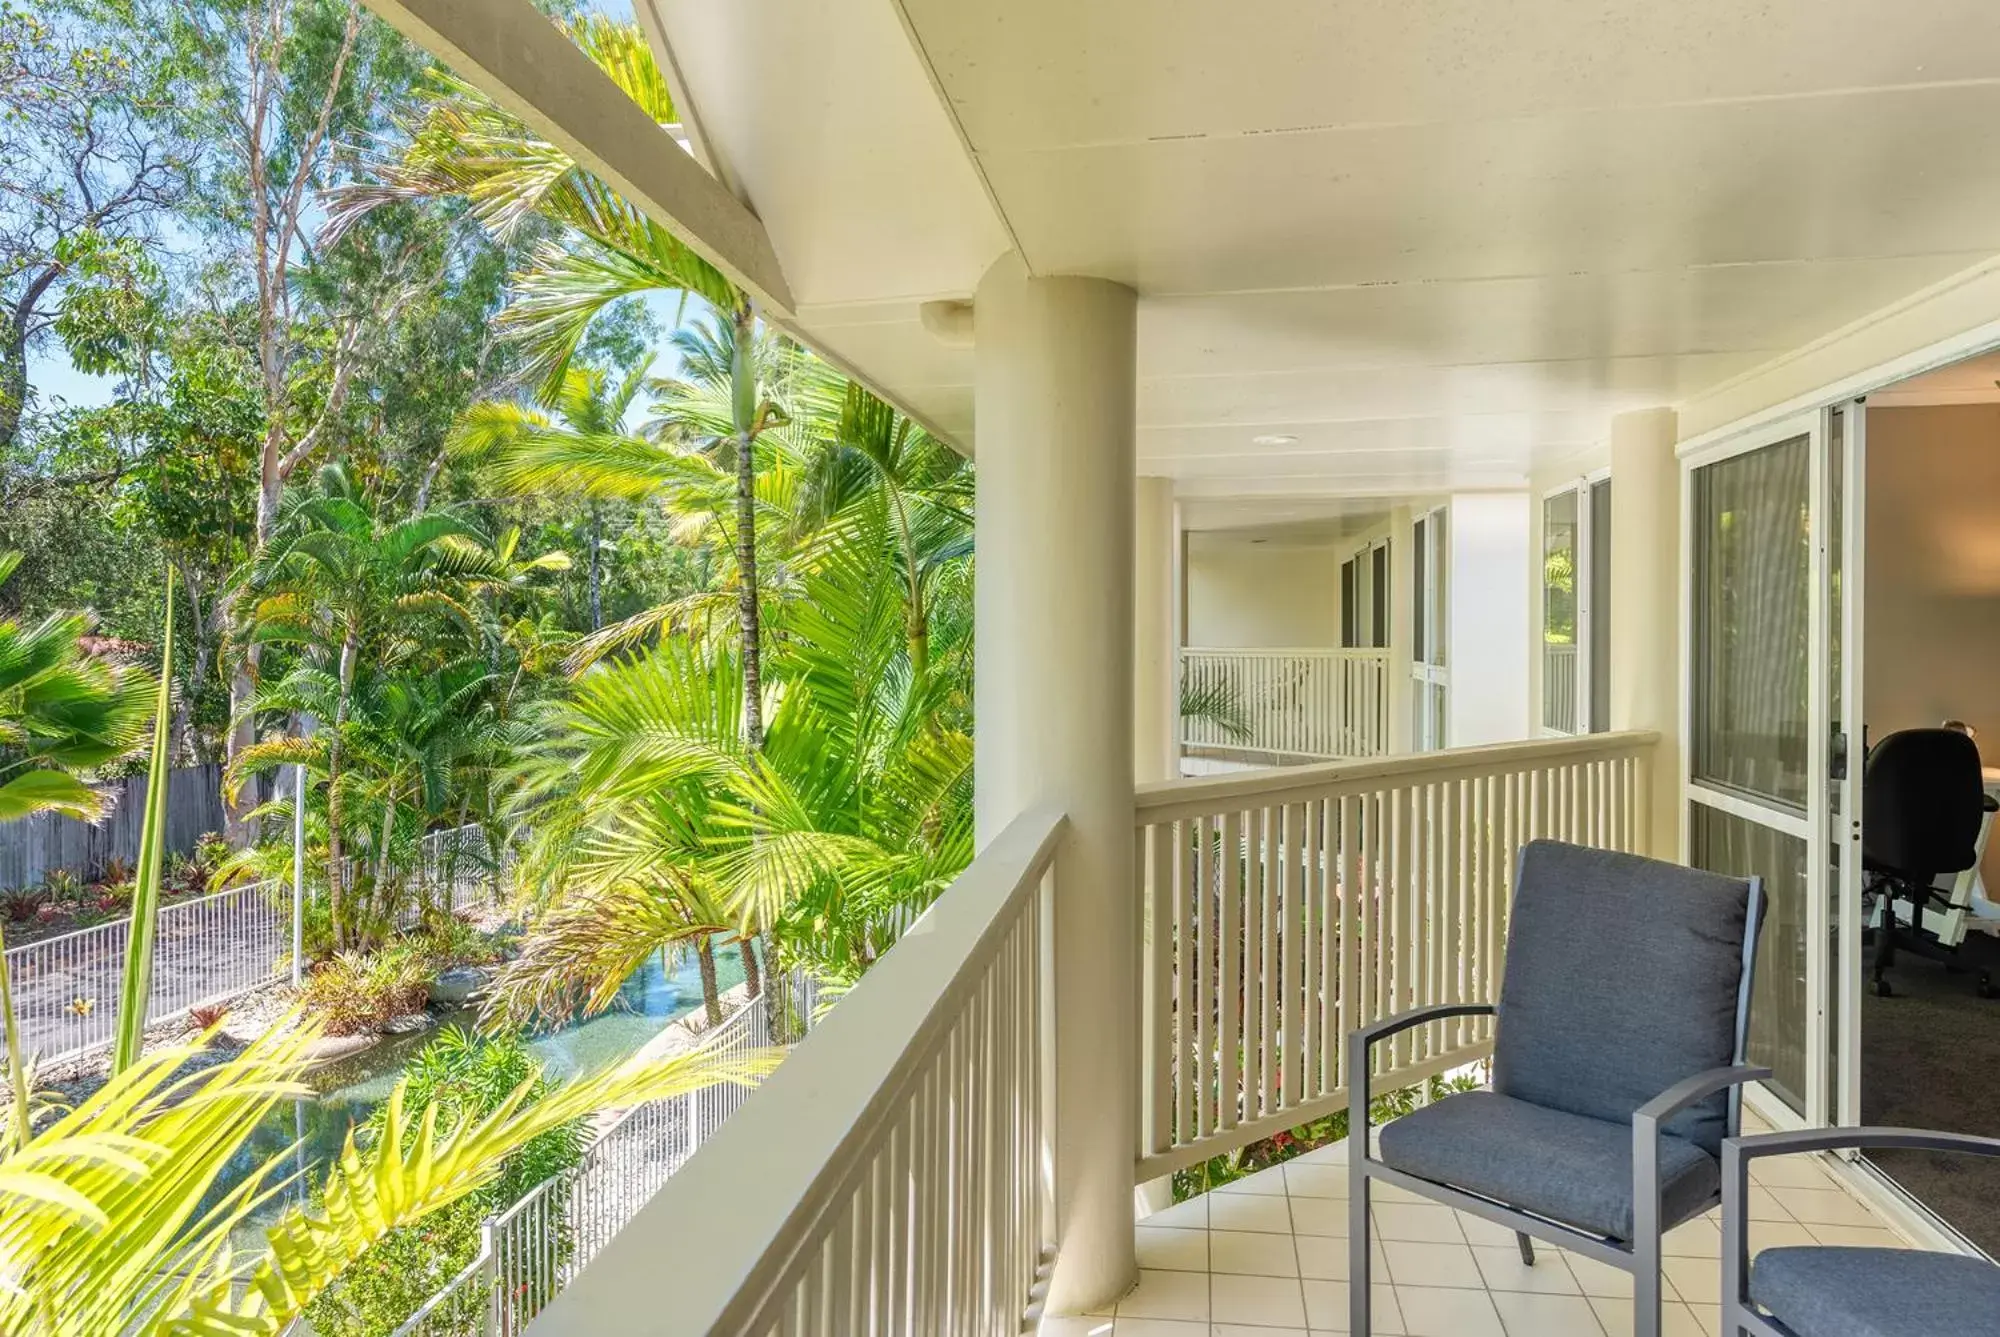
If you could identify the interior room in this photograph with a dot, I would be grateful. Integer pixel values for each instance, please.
(1930, 1047)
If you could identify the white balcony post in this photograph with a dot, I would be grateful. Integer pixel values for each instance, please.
(1054, 402)
(1155, 652)
(1402, 628)
(1645, 603)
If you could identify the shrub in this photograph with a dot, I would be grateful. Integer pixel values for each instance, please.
(26, 904)
(62, 885)
(207, 1015)
(354, 994)
(461, 1076)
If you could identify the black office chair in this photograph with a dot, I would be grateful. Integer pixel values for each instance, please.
(1923, 798)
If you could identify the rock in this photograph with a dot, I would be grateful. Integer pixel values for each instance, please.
(407, 1024)
(331, 1048)
(459, 985)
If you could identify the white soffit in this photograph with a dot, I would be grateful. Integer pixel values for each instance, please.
(1432, 245)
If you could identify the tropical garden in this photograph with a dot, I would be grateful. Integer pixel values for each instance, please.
(357, 442)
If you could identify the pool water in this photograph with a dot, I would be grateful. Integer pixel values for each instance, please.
(349, 1091)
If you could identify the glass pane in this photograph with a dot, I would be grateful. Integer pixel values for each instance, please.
(1348, 612)
(1440, 593)
(1559, 612)
(1380, 602)
(1725, 843)
(1600, 606)
(1419, 622)
(1751, 585)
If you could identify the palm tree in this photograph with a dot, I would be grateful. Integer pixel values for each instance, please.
(336, 581)
(605, 251)
(62, 712)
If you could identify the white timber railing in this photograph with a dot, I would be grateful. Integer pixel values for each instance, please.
(1285, 908)
(889, 1176)
(1294, 704)
(206, 951)
(1559, 699)
(531, 1250)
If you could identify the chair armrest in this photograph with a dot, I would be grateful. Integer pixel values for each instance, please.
(1690, 1090)
(1646, 1120)
(1364, 1039)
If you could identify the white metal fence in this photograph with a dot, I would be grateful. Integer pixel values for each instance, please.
(529, 1252)
(1303, 704)
(206, 951)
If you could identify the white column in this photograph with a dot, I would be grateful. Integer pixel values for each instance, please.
(1055, 386)
(1645, 602)
(1155, 646)
(1402, 627)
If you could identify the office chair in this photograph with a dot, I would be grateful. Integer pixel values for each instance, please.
(1922, 802)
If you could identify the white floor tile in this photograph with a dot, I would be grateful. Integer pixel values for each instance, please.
(1676, 1319)
(1333, 1153)
(1252, 1253)
(1158, 1327)
(1316, 1181)
(1268, 1301)
(1320, 1216)
(1763, 1205)
(1599, 1280)
(1779, 1235)
(1502, 1270)
(1789, 1172)
(1074, 1327)
(1326, 1308)
(1173, 1250)
(1434, 1312)
(1326, 1258)
(1478, 1230)
(1708, 1319)
(1270, 1182)
(1699, 1238)
(1859, 1237)
(1427, 1222)
(1253, 1330)
(1167, 1295)
(1192, 1214)
(1249, 1211)
(1695, 1280)
(1824, 1207)
(1525, 1315)
(1413, 1263)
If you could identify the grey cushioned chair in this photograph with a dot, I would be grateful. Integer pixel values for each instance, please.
(1617, 1068)
(1827, 1291)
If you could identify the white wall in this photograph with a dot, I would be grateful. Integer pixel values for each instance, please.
(1932, 595)
(1244, 595)
(1488, 609)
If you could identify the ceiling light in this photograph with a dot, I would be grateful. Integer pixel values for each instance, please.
(1273, 439)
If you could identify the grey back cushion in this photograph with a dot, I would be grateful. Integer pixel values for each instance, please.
(1622, 978)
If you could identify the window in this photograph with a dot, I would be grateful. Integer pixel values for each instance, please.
(1576, 608)
(1429, 637)
(1364, 598)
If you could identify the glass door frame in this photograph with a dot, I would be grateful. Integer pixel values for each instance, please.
(1831, 988)
(1588, 598)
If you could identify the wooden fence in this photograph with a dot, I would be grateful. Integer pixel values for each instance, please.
(31, 849)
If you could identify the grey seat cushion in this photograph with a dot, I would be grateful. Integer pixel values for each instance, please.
(1566, 1167)
(1622, 979)
(1833, 1292)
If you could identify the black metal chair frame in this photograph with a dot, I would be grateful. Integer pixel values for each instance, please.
(1739, 1315)
(1641, 1257)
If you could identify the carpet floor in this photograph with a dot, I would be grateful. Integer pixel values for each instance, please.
(1931, 1059)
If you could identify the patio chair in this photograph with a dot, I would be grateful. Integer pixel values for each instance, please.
(1617, 1069)
(1829, 1291)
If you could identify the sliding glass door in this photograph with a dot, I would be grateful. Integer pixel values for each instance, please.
(1766, 612)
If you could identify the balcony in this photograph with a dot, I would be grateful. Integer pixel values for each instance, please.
(1284, 706)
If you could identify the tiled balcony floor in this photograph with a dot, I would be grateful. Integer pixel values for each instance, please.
(1267, 1257)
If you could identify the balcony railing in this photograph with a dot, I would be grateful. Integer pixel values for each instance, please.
(893, 1176)
(1285, 908)
(890, 1176)
(1559, 699)
(1298, 705)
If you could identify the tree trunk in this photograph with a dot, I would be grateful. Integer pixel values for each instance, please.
(753, 975)
(336, 807)
(743, 400)
(711, 996)
(14, 352)
(596, 585)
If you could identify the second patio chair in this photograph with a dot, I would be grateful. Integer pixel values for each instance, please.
(1617, 1069)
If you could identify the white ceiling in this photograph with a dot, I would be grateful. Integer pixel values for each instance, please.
(1434, 244)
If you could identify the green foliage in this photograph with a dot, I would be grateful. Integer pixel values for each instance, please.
(355, 993)
(459, 1076)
